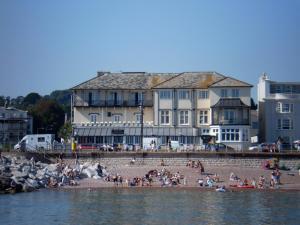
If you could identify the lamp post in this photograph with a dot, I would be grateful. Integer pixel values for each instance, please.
(142, 122)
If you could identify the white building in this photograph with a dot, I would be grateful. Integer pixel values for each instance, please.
(185, 107)
(279, 107)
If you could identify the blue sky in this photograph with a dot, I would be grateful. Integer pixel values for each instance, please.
(52, 45)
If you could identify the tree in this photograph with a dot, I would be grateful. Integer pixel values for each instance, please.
(253, 105)
(65, 131)
(2, 100)
(48, 116)
(31, 99)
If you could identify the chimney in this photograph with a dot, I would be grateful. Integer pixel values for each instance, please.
(101, 73)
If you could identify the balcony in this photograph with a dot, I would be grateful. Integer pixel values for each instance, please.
(111, 103)
(231, 122)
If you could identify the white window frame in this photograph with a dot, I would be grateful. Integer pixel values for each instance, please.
(203, 117)
(235, 93)
(165, 117)
(284, 107)
(184, 117)
(203, 94)
(285, 124)
(165, 94)
(230, 134)
(183, 94)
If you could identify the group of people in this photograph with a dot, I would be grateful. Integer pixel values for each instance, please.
(194, 164)
(209, 181)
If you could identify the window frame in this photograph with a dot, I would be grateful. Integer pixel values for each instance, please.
(184, 94)
(165, 117)
(203, 116)
(184, 117)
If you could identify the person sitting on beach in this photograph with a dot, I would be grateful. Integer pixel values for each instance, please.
(272, 183)
(261, 182)
(245, 182)
(189, 163)
(253, 182)
(162, 163)
(233, 177)
(216, 178)
(209, 181)
(200, 182)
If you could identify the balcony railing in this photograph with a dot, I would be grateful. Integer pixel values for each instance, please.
(112, 103)
(231, 122)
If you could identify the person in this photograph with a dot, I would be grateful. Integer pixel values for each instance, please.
(132, 162)
(253, 182)
(162, 163)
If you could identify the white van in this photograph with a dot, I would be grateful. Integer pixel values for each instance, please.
(34, 142)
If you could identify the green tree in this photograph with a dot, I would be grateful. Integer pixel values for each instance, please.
(48, 116)
(2, 100)
(31, 99)
(65, 131)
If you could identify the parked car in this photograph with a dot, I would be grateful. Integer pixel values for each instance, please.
(296, 144)
(218, 147)
(88, 147)
(263, 147)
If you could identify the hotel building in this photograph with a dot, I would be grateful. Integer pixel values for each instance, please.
(189, 107)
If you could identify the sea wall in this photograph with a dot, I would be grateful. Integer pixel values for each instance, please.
(228, 160)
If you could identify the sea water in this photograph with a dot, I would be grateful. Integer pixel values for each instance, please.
(150, 206)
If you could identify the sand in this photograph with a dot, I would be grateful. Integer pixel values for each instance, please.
(290, 179)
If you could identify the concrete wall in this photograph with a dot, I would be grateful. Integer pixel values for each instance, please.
(222, 162)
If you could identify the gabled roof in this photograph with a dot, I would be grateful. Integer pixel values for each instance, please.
(125, 81)
(230, 82)
(191, 80)
(230, 102)
(145, 81)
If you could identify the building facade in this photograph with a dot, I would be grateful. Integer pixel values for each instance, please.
(14, 125)
(279, 107)
(184, 107)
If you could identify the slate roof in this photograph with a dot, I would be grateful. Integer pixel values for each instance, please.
(144, 81)
(230, 82)
(230, 102)
(125, 81)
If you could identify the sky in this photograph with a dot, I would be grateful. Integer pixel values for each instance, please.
(57, 44)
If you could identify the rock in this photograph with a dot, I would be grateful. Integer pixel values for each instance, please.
(32, 183)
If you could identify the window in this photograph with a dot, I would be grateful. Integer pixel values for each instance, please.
(41, 139)
(287, 124)
(230, 134)
(224, 93)
(184, 94)
(284, 124)
(165, 94)
(229, 115)
(184, 117)
(165, 117)
(117, 118)
(203, 94)
(138, 118)
(203, 117)
(235, 93)
(287, 108)
(284, 107)
(93, 118)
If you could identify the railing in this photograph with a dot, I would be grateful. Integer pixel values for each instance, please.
(112, 103)
(231, 122)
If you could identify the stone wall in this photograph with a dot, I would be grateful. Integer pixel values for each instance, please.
(206, 161)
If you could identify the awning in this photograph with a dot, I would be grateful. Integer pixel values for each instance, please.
(136, 131)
